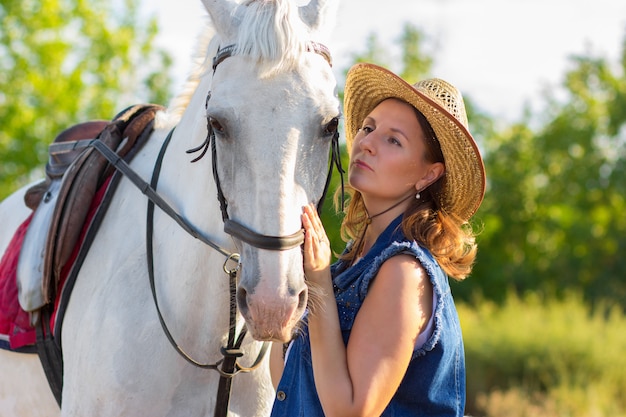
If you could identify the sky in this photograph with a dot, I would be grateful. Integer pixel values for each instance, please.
(501, 53)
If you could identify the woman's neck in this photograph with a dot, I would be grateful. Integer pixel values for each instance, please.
(376, 223)
(382, 218)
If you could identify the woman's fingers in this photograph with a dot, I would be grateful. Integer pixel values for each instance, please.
(314, 223)
(316, 246)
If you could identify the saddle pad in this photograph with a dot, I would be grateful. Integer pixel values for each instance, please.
(15, 328)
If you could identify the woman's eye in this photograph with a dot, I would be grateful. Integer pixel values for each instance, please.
(366, 129)
(394, 141)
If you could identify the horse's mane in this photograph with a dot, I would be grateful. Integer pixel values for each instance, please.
(270, 32)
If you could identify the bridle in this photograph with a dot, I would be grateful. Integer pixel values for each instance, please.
(234, 228)
(228, 366)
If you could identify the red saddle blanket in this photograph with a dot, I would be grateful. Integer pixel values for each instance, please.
(15, 328)
(16, 332)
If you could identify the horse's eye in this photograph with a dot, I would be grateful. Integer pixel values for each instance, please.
(331, 127)
(216, 125)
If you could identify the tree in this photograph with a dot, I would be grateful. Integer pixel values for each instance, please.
(67, 61)
(554, 214)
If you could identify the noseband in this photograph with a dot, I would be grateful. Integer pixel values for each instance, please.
(238, 230)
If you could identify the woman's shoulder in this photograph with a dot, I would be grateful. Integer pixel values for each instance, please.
(407, 251)
(405, 267)
(408, 247)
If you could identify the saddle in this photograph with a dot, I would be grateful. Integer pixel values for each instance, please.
(74, 173)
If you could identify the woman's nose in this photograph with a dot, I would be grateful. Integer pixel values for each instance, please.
(366, 143)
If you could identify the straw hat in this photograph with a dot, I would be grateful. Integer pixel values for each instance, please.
(442, 105)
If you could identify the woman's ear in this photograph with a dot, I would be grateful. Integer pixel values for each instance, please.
(434, 172)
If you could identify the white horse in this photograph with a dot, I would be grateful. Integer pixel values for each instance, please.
(271, 102)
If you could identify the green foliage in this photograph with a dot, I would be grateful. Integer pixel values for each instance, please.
(331, 214)
(554, 212)
(533, 356)
(415, 63)
(64, 62)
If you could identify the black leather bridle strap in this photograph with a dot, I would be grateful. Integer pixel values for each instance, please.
(335, 160)
(229, 50)
(244, 233)
(263, 241)
(238, 230)
(232, 351)
(150, 258)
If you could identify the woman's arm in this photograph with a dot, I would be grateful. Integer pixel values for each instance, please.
(361, 379)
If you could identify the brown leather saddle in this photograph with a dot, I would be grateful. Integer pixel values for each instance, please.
(81, 171)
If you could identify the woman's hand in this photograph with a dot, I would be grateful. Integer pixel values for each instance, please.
(317, 252)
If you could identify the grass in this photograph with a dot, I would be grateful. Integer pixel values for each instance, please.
(542, 357)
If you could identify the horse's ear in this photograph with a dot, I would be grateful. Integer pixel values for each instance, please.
(222, 14)
(320, 15)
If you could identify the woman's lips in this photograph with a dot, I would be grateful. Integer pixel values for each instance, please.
(360, 164)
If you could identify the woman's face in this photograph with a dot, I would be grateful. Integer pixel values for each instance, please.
(387, 161)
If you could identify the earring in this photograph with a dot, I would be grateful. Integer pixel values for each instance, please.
(417, 196)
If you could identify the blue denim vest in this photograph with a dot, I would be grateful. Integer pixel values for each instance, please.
(434, 383)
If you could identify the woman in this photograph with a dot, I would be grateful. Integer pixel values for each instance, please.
(382, 336)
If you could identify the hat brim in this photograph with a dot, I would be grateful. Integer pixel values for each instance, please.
(367, 85)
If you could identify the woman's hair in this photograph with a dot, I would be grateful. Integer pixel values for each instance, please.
(448, 238)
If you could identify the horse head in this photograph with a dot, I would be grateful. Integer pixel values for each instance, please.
(272, 112)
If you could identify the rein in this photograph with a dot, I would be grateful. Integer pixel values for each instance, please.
(232, 351)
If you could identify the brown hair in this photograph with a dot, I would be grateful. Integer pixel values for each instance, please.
(449, 239)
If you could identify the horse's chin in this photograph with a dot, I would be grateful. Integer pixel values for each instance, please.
(271, 317)
(282, 334)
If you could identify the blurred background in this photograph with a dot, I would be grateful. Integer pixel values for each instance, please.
(545, 87)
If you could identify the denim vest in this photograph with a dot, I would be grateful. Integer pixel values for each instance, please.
(434, 383)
